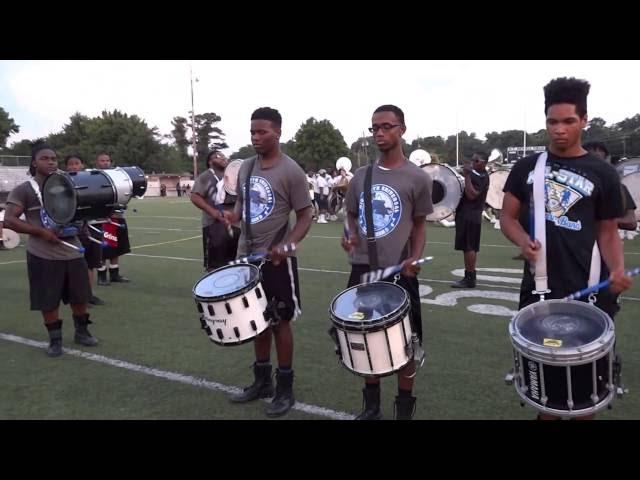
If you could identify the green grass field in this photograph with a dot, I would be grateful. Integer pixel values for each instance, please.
(154, 361)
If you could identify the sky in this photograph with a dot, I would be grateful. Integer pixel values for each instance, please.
(438, 97)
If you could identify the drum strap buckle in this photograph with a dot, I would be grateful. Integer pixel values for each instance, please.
(396, 277)
(593, 298)
(541, 293)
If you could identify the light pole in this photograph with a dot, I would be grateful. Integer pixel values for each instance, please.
(193, 129)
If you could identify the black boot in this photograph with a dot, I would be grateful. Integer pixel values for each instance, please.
(370, 404)
(82, 335)
(102, 277)
(284, 400)
(114, 273)
(469, 281)
(262, 386)
(55, 338)
(95, 300)
(405, 408)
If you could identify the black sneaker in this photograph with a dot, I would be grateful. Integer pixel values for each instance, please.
(95, 300)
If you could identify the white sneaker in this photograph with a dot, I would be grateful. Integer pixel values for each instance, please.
(333, 218)
(321, 219)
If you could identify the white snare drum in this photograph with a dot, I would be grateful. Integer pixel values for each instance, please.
(372, 328)
(232, 304)
(563, 355)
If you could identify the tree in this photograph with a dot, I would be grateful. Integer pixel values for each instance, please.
(245, 152)
(318, 144)
(7, 127)
(179, 135)
(208, 136)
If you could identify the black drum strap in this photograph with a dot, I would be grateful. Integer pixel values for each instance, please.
(247, 208)
(368, 215)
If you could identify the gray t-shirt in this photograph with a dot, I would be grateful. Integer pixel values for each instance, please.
(274, 193)
(206, 186)
(24, 196)
(398, 195)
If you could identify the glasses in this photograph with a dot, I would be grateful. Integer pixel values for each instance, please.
(385, 126)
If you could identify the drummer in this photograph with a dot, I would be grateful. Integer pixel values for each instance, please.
(56, 271)
(401, 199)
(582, 203)
(218, 246)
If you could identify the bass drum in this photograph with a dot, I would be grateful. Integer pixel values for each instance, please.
(78, 196)
(632, 182)
(138, 180)
(495, 195)
(446, 192)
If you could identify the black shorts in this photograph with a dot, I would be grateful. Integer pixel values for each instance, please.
(123, 242)
(53, 280)
(218, 248)
(92, 251)
(282, 289)
(410, 284)
(467, 235)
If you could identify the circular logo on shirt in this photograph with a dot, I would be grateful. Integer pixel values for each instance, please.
(387, 210)
(261, 198)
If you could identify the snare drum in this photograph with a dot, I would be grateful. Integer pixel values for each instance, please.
(372, 328)
(232, 304)
(563, 355)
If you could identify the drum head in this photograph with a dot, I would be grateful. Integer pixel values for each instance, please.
(495, 195)
(59, 198)
(561, 324)
(226, 282)
(632, 182)
(446, 192)
(10, 239)
(231, 177)
(368, 304)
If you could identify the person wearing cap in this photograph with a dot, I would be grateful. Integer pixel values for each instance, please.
(56, 270)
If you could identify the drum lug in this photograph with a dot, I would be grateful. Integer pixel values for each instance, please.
(509, 377)
(544, 400)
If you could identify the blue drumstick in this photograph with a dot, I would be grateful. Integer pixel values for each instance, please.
(376, 275)
(70, 245)
(598, 286)
(254, 257)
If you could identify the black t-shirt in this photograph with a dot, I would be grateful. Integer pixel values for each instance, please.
(579, 191)
(472, 209)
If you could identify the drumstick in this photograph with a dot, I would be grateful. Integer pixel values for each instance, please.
(70, 245)
(95, 240)
(254, 257)
(381, 273)
(119, 225)
(598, 286)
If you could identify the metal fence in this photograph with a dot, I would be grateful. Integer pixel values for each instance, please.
(15, 160)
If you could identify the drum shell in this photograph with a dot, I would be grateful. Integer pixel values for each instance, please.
(543, 375)
(447, 190)
(495, 195)
(91, 197)
(234, 318)
(138, 181)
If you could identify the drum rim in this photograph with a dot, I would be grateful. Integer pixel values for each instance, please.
(227, 296)
(436, 215)
(67, 178)
(487, 200)
(379, 324)
(560, 356)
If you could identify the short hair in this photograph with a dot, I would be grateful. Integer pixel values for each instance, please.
(38, 147)
(392, 108)
(482, 154)
(103, 153)
(567, 90)
(211, 154)
(69, 157)
(268, 113)
(591, 146)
